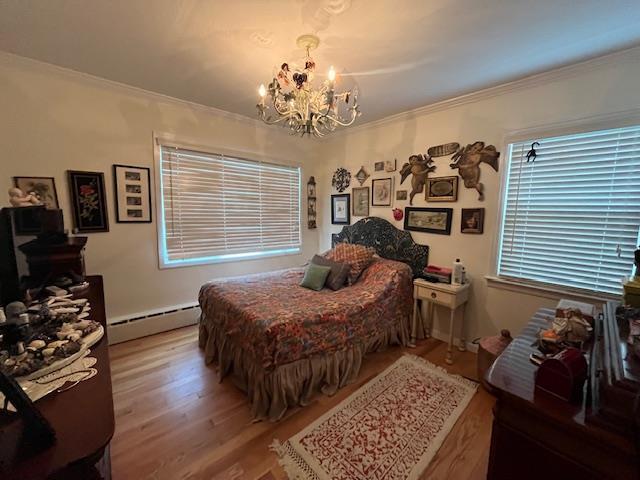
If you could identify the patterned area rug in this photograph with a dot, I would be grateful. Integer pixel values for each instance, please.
(389, 429)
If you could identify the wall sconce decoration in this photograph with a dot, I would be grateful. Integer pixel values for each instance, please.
(311, 203)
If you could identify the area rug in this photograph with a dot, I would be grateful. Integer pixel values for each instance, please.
(389, 429)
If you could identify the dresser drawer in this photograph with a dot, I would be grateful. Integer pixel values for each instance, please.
(437, 296)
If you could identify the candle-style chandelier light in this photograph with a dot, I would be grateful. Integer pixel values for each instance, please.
(302, 108)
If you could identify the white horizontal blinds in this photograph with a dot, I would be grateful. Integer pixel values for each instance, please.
(572, 216)
(216, 205)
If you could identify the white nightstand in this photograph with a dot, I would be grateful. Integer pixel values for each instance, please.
(450, 296)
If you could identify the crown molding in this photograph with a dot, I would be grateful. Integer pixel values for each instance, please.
(11, 59)
(629, 55)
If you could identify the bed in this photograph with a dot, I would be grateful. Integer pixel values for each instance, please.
(281, 343)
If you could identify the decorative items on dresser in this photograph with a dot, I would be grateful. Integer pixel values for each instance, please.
(450, 296)
(82, 418)
(540, 435)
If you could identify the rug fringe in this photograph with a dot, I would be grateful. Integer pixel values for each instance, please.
(459, 378)
(294, 466)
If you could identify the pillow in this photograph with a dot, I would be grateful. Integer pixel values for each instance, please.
(315, 276)
(358, 256)
(338, 274)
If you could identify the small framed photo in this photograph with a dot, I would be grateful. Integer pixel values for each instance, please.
(42, 187)
(401, 195)
(382, 190)
(88, 200)
(442, 189)
(341, 209)
(133, 194)
(360, 202)
(391, 165)
(472, 220)
(378, 167)
(430, 220)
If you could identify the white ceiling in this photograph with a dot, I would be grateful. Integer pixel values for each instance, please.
(402, 54)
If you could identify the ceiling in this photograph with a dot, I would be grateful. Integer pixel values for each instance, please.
(401, 54)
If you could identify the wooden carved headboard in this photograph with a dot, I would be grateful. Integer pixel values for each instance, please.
(388, 241)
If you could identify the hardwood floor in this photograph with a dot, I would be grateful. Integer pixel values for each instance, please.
(175, 421)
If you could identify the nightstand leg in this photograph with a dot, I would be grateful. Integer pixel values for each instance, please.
(414, 323)
(449, 358)
(429, 325)
(463, 342)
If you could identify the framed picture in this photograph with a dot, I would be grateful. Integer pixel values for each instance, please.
(382, 191)
(43, 187)
(391, 165)
(401, 195)
(442, 189)
(88, 201)
(378, 167)
(361, 202)
(430, 220)
(133, 194)
(472, 220)
(341, 209)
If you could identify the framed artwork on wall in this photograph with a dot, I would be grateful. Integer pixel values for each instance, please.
(472, 220)
(401, 195)
(361, 202)
(442, 189)
(430, 220)
(88, 201)
(341, 209)
(382, 190)
(133, 194)
(43, 187)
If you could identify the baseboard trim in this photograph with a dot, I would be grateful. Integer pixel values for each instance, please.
(124, 332)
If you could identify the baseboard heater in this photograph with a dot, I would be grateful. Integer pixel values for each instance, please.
(141, 325)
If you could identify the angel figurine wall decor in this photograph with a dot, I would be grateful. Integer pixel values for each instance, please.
(468, 159)
(419, 166)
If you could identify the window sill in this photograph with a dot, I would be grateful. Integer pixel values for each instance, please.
(228, 258)
(547, 291)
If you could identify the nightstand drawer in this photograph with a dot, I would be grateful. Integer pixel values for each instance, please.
(437, 296)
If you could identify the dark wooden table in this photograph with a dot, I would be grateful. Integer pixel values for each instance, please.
(82, 418)
(536, 435)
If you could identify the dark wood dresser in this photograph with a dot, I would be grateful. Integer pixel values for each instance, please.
(82, 418)
(536, 435)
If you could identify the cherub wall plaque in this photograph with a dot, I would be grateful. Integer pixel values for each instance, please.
(468, 159)
(419, 166)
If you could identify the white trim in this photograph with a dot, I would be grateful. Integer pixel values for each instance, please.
(546, 290)
(629, 55)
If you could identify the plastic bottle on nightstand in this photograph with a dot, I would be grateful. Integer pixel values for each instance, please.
(457, 273)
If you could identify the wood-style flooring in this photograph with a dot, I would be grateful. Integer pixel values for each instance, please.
(175, 421)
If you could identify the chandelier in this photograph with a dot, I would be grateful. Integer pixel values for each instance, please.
(302, 108)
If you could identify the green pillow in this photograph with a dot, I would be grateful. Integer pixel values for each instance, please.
(315, 276)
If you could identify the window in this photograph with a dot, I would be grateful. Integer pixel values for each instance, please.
(221, 208)
(571, 217)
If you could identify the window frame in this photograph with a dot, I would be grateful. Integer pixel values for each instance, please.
(550, 290)
(167, 139)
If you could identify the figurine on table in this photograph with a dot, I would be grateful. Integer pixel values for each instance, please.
(631, 295)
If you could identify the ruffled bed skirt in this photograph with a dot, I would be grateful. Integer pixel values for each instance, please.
(272, 392)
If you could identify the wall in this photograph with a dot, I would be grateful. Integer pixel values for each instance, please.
(593, 91)
(54, 120)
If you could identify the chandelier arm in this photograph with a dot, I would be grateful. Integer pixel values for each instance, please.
(334, 119)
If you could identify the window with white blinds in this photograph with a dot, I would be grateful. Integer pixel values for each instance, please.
(571, 217)
(217, 208)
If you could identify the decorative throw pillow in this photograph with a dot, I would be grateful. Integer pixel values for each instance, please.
(358, 256)
(338, 274)
(315, 276)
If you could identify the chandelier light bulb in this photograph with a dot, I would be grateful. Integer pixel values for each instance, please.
(332, 74)
(262, 91)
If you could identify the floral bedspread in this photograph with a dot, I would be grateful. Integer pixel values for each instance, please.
(277, 321)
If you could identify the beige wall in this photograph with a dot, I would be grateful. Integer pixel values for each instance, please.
(589, 92)
(54, 120)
